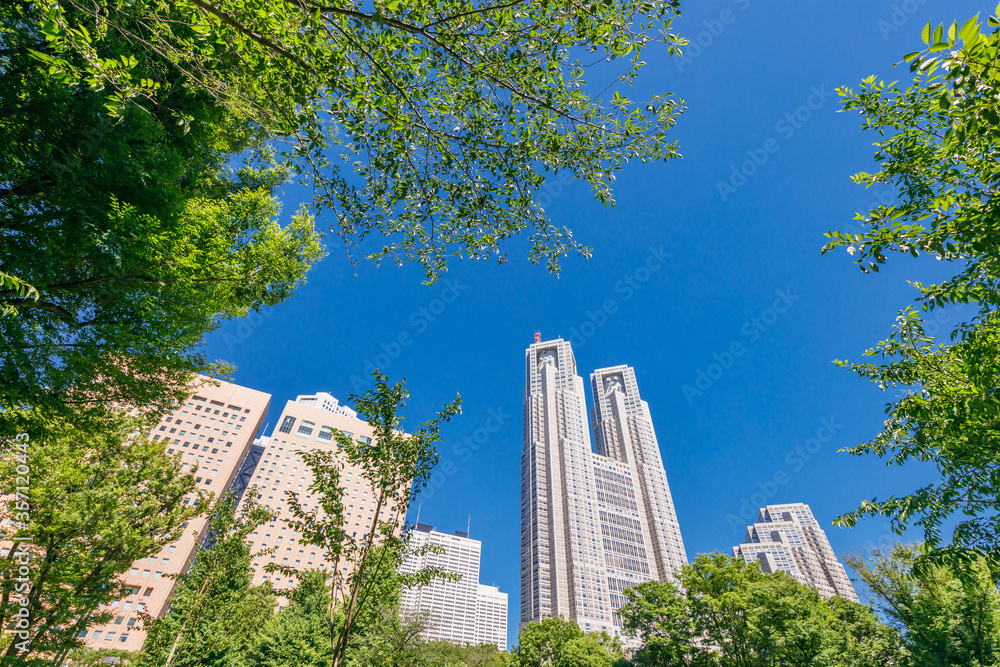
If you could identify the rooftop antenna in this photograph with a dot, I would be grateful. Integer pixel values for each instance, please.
(538, 336)
(468, 527)
(418, 512)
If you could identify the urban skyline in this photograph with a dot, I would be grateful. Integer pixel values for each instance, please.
(640, 536)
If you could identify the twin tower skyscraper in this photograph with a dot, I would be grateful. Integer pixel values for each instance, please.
(598, 519)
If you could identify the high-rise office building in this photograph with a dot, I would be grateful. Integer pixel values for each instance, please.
(462, 611)
(592, 522)
(211, 433)
(787, 538)
(306, 424)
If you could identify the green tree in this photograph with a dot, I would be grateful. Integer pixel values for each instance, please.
(556, 642)
(297, 635)
(945, 620)
(753, 618)
(123, 241)
(860, 639)
(428, 125)
(936, 151)
(727, 613)
(92, 495)
(397, 465)
(660, 614)
(215, 612)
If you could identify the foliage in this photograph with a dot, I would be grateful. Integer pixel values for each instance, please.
(660, 614)
(124, 240)
(446, 654)
(87, 657)
(936, 148)
(397, 466)
(946, 620)
(297, 635)
(429, 124)
(555, 642)
(215, 612)
(99, 496)
(727, 613)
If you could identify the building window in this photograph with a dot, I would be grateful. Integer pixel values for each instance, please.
(306, 428)
(286, 426)
(325, 434)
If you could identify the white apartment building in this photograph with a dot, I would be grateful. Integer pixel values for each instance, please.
(787, 538)
(462, 611)
(592, 522)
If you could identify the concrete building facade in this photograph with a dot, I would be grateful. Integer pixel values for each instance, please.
(592, 522)
(306, 424)
(462, 611)
(787, 538)
(211, 433)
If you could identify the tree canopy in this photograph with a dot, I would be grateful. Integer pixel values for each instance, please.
(427, 125)
(124, 240)
(936, 151)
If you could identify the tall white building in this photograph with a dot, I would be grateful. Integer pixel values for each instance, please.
(592, 523)
(462, 611)
(787, 538)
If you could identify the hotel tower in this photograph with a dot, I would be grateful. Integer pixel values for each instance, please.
(593, 523)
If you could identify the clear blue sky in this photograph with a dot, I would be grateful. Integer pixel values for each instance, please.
(730, 258)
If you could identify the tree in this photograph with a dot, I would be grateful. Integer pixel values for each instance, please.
(555, 642)
(429, 125)
(944, 619)
(99, 496)
(860, 639)
(660, 614)
(215, 612)
(125, 240)
(753, 618)
(936, 150)
(397, 465)
(446, 654)
(727, 613)
(297, 635)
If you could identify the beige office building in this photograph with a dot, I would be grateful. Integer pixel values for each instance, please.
(462, 611)
(592, 522)
(211, 432)
(787, 538)
(306, 424)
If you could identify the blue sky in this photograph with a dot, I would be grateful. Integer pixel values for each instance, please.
(738, 255)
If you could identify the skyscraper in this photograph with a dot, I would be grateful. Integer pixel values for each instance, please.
(462, 611)
(787, 538)
(592, 523)
(211, 433)
(306, 424)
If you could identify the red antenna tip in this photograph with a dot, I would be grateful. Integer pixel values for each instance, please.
(538, 336)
